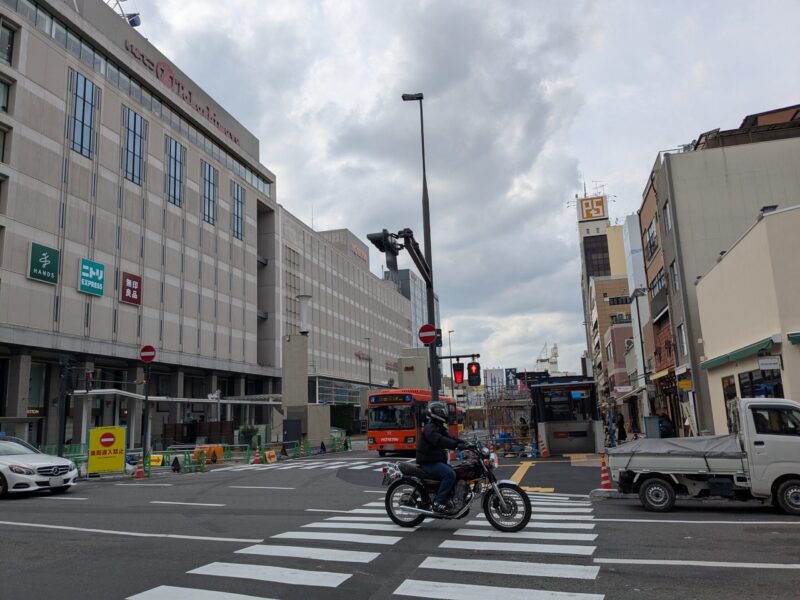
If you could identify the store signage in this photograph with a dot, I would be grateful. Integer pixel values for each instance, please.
(592, 208)
(685, 385)
(164, 72)
(131, 289)
(43, 263)
(769, 363)
(91, 279)
(359, 252)
(106, 449)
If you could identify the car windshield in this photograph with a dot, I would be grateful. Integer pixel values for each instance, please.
(391, 417)
(11, 447)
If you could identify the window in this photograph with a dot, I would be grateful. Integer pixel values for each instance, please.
(6, 44)
(673, 276)
(776, 420)
(610, 352)
(237, 217)
(209, 176)
(667, 218)
(614, 300)
(681, 339)
(3, 134)
(658, 283)
(729, 387)
(176, 163)
(595, 253)
(651, 241)
(761, 384)
(134, 139)
(85, 96)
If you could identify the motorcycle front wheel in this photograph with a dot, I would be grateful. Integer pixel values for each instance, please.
(400, 495)
(517, 512)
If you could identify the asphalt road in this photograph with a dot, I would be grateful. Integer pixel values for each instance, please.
(315, 528)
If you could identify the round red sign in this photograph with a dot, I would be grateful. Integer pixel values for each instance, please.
(107, 439)
(147, 353)
(427, 334)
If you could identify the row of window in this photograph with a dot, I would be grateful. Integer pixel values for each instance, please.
(659, 283)
(41, 18)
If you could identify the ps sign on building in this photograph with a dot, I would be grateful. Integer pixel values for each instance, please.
(91, 277)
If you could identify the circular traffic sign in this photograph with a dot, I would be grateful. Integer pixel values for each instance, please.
(427, 334)
(107, 439)
(147, 353)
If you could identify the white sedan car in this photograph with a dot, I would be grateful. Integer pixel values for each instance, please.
(24, 469)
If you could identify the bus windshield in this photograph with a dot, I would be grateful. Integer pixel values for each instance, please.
(391, 417)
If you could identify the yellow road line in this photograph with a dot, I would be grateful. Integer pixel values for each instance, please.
(520, 472)
(546, 490)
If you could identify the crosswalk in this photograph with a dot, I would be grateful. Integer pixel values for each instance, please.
(553, 551)
(561, 530)
(352, 464)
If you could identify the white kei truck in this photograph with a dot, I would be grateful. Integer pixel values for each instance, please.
(759, 460)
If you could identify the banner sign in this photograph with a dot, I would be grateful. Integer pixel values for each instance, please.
(43, 263)
(92, 277)
(106, 449)
(592, 208)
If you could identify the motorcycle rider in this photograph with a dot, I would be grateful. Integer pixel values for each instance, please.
(431, 456)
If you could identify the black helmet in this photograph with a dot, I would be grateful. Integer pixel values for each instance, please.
(438, 411)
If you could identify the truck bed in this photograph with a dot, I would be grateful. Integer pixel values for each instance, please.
(707, 454)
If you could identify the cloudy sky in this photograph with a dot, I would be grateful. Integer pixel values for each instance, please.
(524, 102)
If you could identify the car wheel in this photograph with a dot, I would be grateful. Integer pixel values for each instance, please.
(788, 496)
(59, 490)
(381, 453)
(3, 486)
(657, 495)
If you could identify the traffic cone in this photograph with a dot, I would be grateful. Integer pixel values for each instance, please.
(257, 457)
(543, 451)
(605, 478)
(140, 469)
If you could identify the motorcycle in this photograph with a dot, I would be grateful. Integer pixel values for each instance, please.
(409, 499)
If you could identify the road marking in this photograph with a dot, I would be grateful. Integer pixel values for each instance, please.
(184, 503)
(336, 465)
(132, 533)
(62, 498)
(561, 494)
(168, 592)
(361, 519)
(373, 491)
(530, 535)
(557, 509)
(698, 522)
(458, 591)
(549, 517)
(368, 511)
(374, 504)
(369, 526)
(276, 574)
(556, 502)
(507, 547)
(696, 563)
(326, 510)
(520, 472)
(539, 525)
(329, 554)
(259, 487)
(529, 488)
(507, 567)
(146, 484)
(356, 538)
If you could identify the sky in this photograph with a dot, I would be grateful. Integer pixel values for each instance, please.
(526, 102)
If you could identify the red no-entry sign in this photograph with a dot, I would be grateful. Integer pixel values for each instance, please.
(427, 334)
(147, 353)
(107, 439)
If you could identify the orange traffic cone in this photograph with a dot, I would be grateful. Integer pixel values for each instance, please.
(605, 478)
(140, 469)
(543, 451)
(257, 457)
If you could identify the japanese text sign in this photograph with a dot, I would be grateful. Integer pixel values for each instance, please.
(92, 277)
(106, 449)
(131, 289)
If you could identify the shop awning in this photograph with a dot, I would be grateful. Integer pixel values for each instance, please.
(746, 351)
(794, 337)
(660, 374)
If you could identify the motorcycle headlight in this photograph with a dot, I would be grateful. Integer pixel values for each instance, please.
(485, 452)
(20, 470)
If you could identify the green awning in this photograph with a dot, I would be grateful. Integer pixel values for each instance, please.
(794, 337)
(739, 354)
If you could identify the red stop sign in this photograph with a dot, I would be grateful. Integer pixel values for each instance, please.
(147, 353)
(107, 439)
(427, 334)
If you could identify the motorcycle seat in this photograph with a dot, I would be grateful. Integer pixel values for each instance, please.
(412, 469)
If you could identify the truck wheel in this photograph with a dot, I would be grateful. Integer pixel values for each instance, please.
(657, 495)
(788, 496)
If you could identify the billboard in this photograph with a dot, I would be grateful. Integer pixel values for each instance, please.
(511, 378)
(592, 208)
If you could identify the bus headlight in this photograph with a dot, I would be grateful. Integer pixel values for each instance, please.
(371, 440)
(410, 439)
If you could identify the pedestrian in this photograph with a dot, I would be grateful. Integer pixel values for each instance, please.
(612, 436)
(666, 429)
(622, 435)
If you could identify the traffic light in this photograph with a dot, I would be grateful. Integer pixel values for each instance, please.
(458, 373)
(474, 373)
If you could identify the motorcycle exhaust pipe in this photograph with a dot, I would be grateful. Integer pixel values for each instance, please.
(421, 511)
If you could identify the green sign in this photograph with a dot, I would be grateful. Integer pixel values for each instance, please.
(43, 263)
(91, 278)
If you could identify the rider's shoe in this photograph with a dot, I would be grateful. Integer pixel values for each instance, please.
(440, 508)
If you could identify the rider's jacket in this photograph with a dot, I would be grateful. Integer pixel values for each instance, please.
(432, 443)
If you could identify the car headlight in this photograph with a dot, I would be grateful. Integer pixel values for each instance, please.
(73, 466)
(20, 470)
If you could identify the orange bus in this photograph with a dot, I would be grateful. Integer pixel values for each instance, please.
(395, 419)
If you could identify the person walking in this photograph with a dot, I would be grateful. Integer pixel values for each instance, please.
(622, 435)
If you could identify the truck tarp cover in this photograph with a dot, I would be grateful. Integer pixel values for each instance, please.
(716, 446)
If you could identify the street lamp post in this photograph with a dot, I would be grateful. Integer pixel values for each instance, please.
(369, 360)
(433, 358)
(450, 352)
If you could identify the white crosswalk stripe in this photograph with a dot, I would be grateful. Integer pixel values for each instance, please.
(276, 574)
(507, 567)
(529, 535)
(356, 538)
(168, 592)
(538, 525)
(521, 548)
(368, 526)
(316, 553)
(457, 591)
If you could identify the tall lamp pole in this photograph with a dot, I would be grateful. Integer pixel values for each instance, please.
(369, 360)
(450, 352)
(433, 357)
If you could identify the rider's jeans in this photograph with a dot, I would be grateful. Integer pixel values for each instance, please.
(447, 475)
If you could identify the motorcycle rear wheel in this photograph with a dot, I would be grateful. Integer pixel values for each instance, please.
(518, 508)
(399, 494)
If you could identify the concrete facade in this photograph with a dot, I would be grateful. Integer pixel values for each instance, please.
(751, 296)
